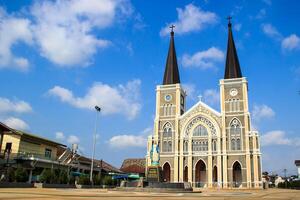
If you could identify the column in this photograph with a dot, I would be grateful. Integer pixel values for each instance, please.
(209, 163)
(181, 163)
(190, 162)
(246, 133)
(255, 163)
(30, 176)
(209, 171)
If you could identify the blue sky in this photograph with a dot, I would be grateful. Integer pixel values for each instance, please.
(59, 58)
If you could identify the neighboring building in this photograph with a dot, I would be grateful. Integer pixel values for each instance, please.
(201, 145)
(134, 166)
(18, 148)
(82, 164)
(297, 163)
(35, 154)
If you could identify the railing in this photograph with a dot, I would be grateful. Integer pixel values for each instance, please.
(26, 155)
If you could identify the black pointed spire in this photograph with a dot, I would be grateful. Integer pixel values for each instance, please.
(171, 75)
(232, 69)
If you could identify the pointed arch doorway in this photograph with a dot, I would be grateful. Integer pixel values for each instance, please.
(237, 174)
(167, 172)
(200, 174)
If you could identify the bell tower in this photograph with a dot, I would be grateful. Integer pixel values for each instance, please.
(237, 136)
(170, 104)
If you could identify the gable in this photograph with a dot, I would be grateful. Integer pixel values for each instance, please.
(200, 109)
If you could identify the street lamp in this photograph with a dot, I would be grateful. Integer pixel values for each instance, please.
(98, 109)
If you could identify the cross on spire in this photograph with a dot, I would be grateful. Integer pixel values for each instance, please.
(200, 97)
(172, 27)
(229, 18)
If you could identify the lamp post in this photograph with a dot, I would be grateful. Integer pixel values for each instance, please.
(98, 109)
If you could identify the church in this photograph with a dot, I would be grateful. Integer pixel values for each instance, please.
(202, 146)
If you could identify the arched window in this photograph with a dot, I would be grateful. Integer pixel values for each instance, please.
(235, 134)
(235, 127)
(167, 137)
(200, 131)
(167, 130)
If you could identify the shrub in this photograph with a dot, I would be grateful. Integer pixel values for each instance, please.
(63, 177)
(84, 180)
(10, 175)
(21, 175)
(46, 176)
(107, 180)
(97, 179)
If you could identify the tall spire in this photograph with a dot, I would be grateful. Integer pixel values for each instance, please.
(171, 75)
(232, 69)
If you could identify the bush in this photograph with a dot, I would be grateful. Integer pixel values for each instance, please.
(21, 175)
(63, 177)
(47, 176)
(84, 180)
(290, 185)
(97, 179)
(10, 175)
(107, 180)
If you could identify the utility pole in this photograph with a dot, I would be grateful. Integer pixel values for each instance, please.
(285, 170)
(98, 109)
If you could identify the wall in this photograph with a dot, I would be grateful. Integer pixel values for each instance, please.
(14, 139)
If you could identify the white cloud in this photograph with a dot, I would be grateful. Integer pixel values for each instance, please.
(211, 96)
(271, 31)
(60, 136)
(262, 112)
(13, 30)
(261, 14)
(278, 137)
(16, 123)
(147, 131)
(63, 29)
(237, 27)
(190, 19)
(190, 90)
(125, 141)
(122, 99)
(73, 139)
(291, 42)
(203, 59)
(7, 106)
(268, 2)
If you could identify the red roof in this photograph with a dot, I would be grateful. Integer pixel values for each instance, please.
(136, 165)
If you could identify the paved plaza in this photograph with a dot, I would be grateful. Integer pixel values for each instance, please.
(45, 194)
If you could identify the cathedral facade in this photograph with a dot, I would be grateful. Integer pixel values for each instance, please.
(202, 146)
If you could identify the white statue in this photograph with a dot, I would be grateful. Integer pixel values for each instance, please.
(154, 154)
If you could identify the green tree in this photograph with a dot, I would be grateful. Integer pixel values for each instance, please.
(84, 179)
(46, 176)
(21, 175)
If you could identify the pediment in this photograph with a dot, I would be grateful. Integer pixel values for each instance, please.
(201, 109)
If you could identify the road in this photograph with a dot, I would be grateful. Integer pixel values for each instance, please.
(45, 194)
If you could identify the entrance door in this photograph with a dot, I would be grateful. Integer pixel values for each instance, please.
(200, 179)
(167, 172)
(237, 174)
